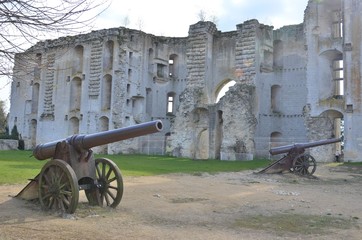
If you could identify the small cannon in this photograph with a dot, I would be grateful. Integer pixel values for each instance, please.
(73, 168)
(296, 160)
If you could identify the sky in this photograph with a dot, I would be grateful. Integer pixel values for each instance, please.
(172, 18)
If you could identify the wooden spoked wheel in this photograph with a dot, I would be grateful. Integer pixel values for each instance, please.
(110, 182)
(304, 164)
(58, 187)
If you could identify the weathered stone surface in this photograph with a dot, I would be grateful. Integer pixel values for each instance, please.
(287, 86)
(8, 144)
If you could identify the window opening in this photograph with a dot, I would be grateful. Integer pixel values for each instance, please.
(170, 63)
(160, 70)
(275, 99)
(338, 77)
(224, 89)
(337, 25)
(129, 74)
(170, 103)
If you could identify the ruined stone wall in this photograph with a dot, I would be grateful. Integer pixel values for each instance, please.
(238, 123)
(283, 92)
(223, 130)
(7, 144)
(285, 89)
(330, 36)
(79, 74)
(352, 44)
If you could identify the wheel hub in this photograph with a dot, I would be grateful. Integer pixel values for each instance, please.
(103, 185)
(54, 190)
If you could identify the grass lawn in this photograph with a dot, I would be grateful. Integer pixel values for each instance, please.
(19, 166)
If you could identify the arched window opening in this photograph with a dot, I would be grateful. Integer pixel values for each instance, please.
(33, 127)
(129, 74)
(75, 94)
(108, 56)
(275, 139)
(149, 99)
(170, 67)
(37, 68)
(224, 87)
(161, 70)
(170, 103)
(339, 133)
(332, 80)
(338, 77)
(104, 124)
(267, 64)
(106, 92)
(202, 145)
(150, 61)
(78, 60)
(275, 100)
(130, 58)
(35, 98)
(73, 126)
(172, 64)
(337, 24)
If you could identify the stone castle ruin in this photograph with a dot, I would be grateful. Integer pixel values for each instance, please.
(299, 83)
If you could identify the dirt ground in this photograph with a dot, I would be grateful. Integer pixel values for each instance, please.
(240, 205)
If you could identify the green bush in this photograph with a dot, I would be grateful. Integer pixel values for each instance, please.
(14, 133)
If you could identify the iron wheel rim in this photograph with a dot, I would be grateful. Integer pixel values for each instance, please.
(110, 182)
(58, 187)
(304, 164)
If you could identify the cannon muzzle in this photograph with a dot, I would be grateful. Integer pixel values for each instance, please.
(302, 146)
(47, 150)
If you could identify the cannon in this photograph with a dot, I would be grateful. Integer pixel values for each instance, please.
(73, 168)
(296, 160)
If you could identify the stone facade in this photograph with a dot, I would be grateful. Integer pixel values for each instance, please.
(8, 144)
(298, 83)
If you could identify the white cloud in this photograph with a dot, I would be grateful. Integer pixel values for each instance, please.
(173, 18)
(159, 17)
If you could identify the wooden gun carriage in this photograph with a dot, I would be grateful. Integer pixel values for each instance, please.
(296, 160)
(73, 168)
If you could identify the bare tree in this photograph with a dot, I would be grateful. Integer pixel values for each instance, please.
(214, 19)
(2, 117)
(140, 24)
(126, 21)
(24, 22)
(202, 15)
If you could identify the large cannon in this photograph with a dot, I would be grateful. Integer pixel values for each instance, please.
(73, 168)
(296, 160)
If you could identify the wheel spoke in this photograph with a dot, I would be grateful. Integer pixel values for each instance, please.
(98, 171)
(107, 198)
(66, 193)
(47, 180)
(103, 169)
(102, 197)
(51, 201)
(111, 194)
(65, 201)
(110, 170)
(111, 180)
(113, 187)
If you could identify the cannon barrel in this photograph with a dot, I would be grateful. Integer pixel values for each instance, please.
(287, 148)
(47, 150)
